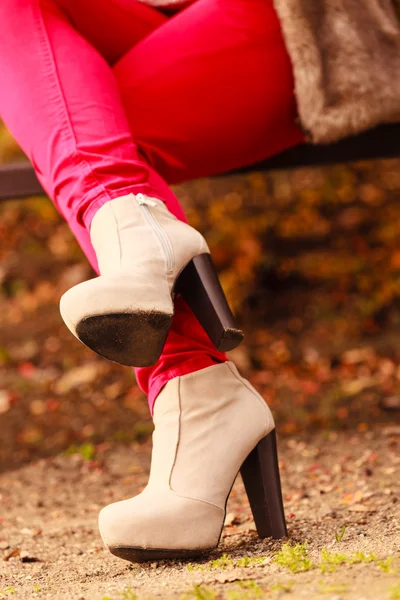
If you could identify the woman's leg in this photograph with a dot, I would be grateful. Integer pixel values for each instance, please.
(211, 90)
(217, 84)
(208, 91)
(60, 100)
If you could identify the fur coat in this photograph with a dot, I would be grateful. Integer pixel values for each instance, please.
(346, 61)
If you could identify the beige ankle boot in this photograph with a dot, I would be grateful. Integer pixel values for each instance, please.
(208, 425)
(145, 256)
(141, 248)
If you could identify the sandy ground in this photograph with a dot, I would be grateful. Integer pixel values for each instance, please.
(51, 547)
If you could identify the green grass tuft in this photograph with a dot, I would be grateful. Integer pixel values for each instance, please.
(284, 588)
(339, 535)
(7, 592)
(248, 590)
(394, 592)
(200, 592)
(295, 558)
(386, 565)
(361, 557)
(250, 561)
(128, 594)
(226, 562)
(86, 450)
(223, 562)
(335, 588)
(331, 560)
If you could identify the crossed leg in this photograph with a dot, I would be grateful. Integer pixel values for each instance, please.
(94, 86)
(210, 90)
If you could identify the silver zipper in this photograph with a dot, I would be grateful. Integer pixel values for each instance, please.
(145, 203)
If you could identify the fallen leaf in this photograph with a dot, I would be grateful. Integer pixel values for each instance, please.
(5, 401)
(15, 552)
(360, 508)
(352, 498)
(78, 376)
(351, 388)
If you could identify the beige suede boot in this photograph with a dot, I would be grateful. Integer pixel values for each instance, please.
(208, 425)
(145, 256)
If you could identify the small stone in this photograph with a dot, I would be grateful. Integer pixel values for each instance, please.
(12, 554)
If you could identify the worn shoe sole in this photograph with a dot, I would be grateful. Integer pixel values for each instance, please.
(131, 339)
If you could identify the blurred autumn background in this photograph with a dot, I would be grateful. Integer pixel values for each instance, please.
(310, 260)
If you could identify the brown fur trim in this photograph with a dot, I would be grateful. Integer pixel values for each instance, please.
(346, 61)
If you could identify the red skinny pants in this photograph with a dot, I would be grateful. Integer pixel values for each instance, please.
(108, 97)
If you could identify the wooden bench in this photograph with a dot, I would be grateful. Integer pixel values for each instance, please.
(18, 180)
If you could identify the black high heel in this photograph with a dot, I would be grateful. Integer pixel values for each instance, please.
(260, 474)
(199, 285)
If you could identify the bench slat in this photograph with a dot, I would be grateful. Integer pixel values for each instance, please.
(18, 180)
(381, 142)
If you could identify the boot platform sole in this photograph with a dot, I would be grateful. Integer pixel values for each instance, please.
(131, 339)
(141, 555)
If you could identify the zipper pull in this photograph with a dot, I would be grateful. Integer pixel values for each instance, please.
(143, 200)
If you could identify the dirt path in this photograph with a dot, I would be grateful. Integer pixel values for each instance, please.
(334, 485)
